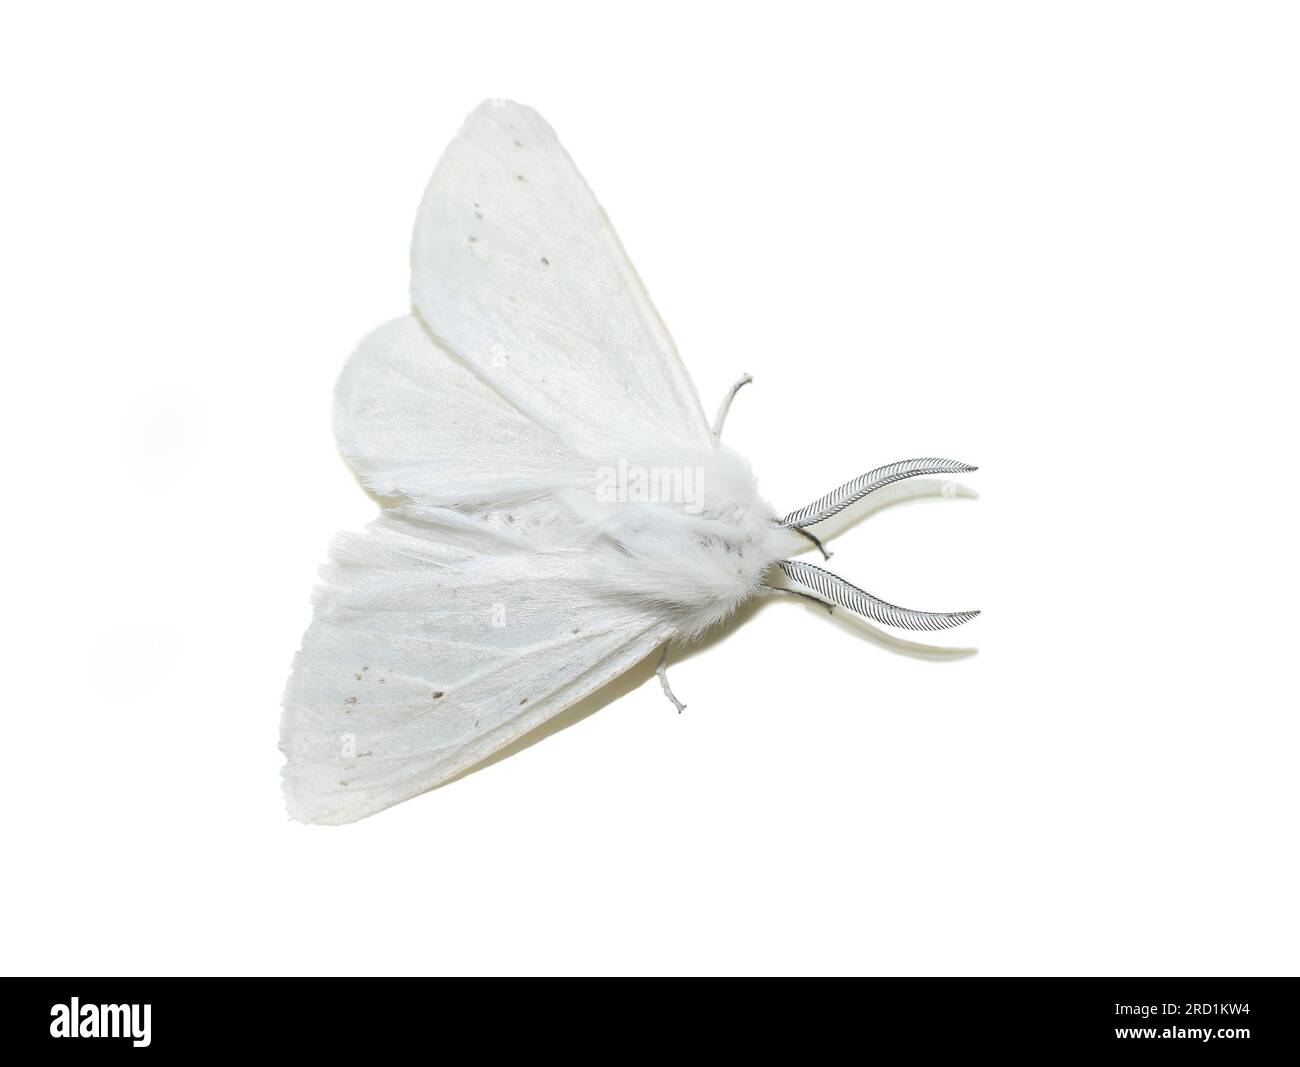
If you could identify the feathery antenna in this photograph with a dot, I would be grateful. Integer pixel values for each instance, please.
(833, 589)
(851, 492)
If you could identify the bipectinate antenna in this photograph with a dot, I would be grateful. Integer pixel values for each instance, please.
(851, 492)
(833, 590)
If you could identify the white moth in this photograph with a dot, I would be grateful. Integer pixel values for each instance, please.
(558, 506)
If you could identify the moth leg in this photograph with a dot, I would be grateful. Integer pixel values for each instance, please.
(721, 417)
(815, 540)
(830, 608)
(662, 671)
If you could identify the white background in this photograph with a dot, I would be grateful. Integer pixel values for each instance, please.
(1059, 241)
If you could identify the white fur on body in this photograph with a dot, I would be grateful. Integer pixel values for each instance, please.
(503, 584)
